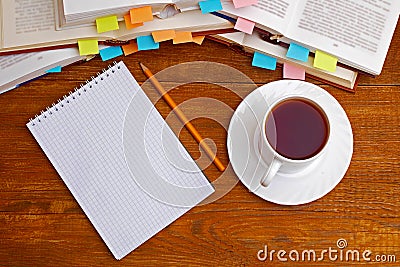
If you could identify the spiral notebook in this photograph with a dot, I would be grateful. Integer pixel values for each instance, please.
(120, 160)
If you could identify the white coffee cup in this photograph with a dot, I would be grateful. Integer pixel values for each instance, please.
(293, 135)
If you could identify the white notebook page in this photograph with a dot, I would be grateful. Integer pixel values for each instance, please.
(122, 192)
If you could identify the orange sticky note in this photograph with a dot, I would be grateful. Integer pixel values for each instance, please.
(160, 36)
(130, 48)
(198, 39)
(182, 37)
(128, 23)
(141, 14)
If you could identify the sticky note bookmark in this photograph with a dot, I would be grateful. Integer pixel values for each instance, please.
(244, 25)
(147, 43)
(243, 3)
(106, 24)
(182, 37)
(263, 61)
(110, 52)
(198, 39)
(128, 23)
(160, 36)
(141, 14)
(210, 6)
(298, 52)
(130, 48)
(88, 47)
(325, 61)
(291, 71)
(54, 70)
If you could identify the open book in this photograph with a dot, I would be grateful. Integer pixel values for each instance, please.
(358, 32)
(25, 28)
(23, 67)
(343, 78)
(77, 12)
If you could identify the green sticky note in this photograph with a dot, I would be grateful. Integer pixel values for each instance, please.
(325, 61)
(88, 47)
(106, 24)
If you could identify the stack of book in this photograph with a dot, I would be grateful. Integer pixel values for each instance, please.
(329, 40)
(38, 36)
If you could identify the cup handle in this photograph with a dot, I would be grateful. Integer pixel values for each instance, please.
(273, 169)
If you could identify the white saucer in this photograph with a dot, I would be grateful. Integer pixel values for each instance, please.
(284, 189)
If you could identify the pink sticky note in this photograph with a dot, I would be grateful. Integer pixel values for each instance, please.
(244, 25)
(243, 3)
(291, 71)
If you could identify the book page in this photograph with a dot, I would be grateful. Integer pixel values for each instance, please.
(355, 31)
(11, 65)
(273, 14)
(1, 24)
(35, 26)
(76, 12)
(185, 5)
(191, 21)
(79, 7)
(30, 22)
(23, 67)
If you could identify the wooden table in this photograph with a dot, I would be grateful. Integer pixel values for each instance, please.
(42, 225)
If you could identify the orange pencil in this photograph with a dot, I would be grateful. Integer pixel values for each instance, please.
(189, 126)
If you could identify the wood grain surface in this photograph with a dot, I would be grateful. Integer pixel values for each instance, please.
(42, 225)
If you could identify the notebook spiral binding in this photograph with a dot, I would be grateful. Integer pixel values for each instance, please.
(72, 95)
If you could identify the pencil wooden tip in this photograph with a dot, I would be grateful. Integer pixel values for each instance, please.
(142, 66)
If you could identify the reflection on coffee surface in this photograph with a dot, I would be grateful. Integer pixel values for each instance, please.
(297, 129)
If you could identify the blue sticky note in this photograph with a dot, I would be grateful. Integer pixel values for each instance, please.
(110, 52)
(53, 70)
(263, 61)
(298, 52)
(210, 6)
(146, 43)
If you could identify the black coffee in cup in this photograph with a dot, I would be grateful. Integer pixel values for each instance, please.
(297, 128)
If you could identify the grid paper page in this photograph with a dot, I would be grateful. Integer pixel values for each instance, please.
(122, 191)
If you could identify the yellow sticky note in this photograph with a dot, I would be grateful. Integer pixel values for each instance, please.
(129, 24)
(88, 47)
(106, 24)
(182, 37)
(198, 39)
(160, 36)
(130, 48)
(141, 14)
(325, 61)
